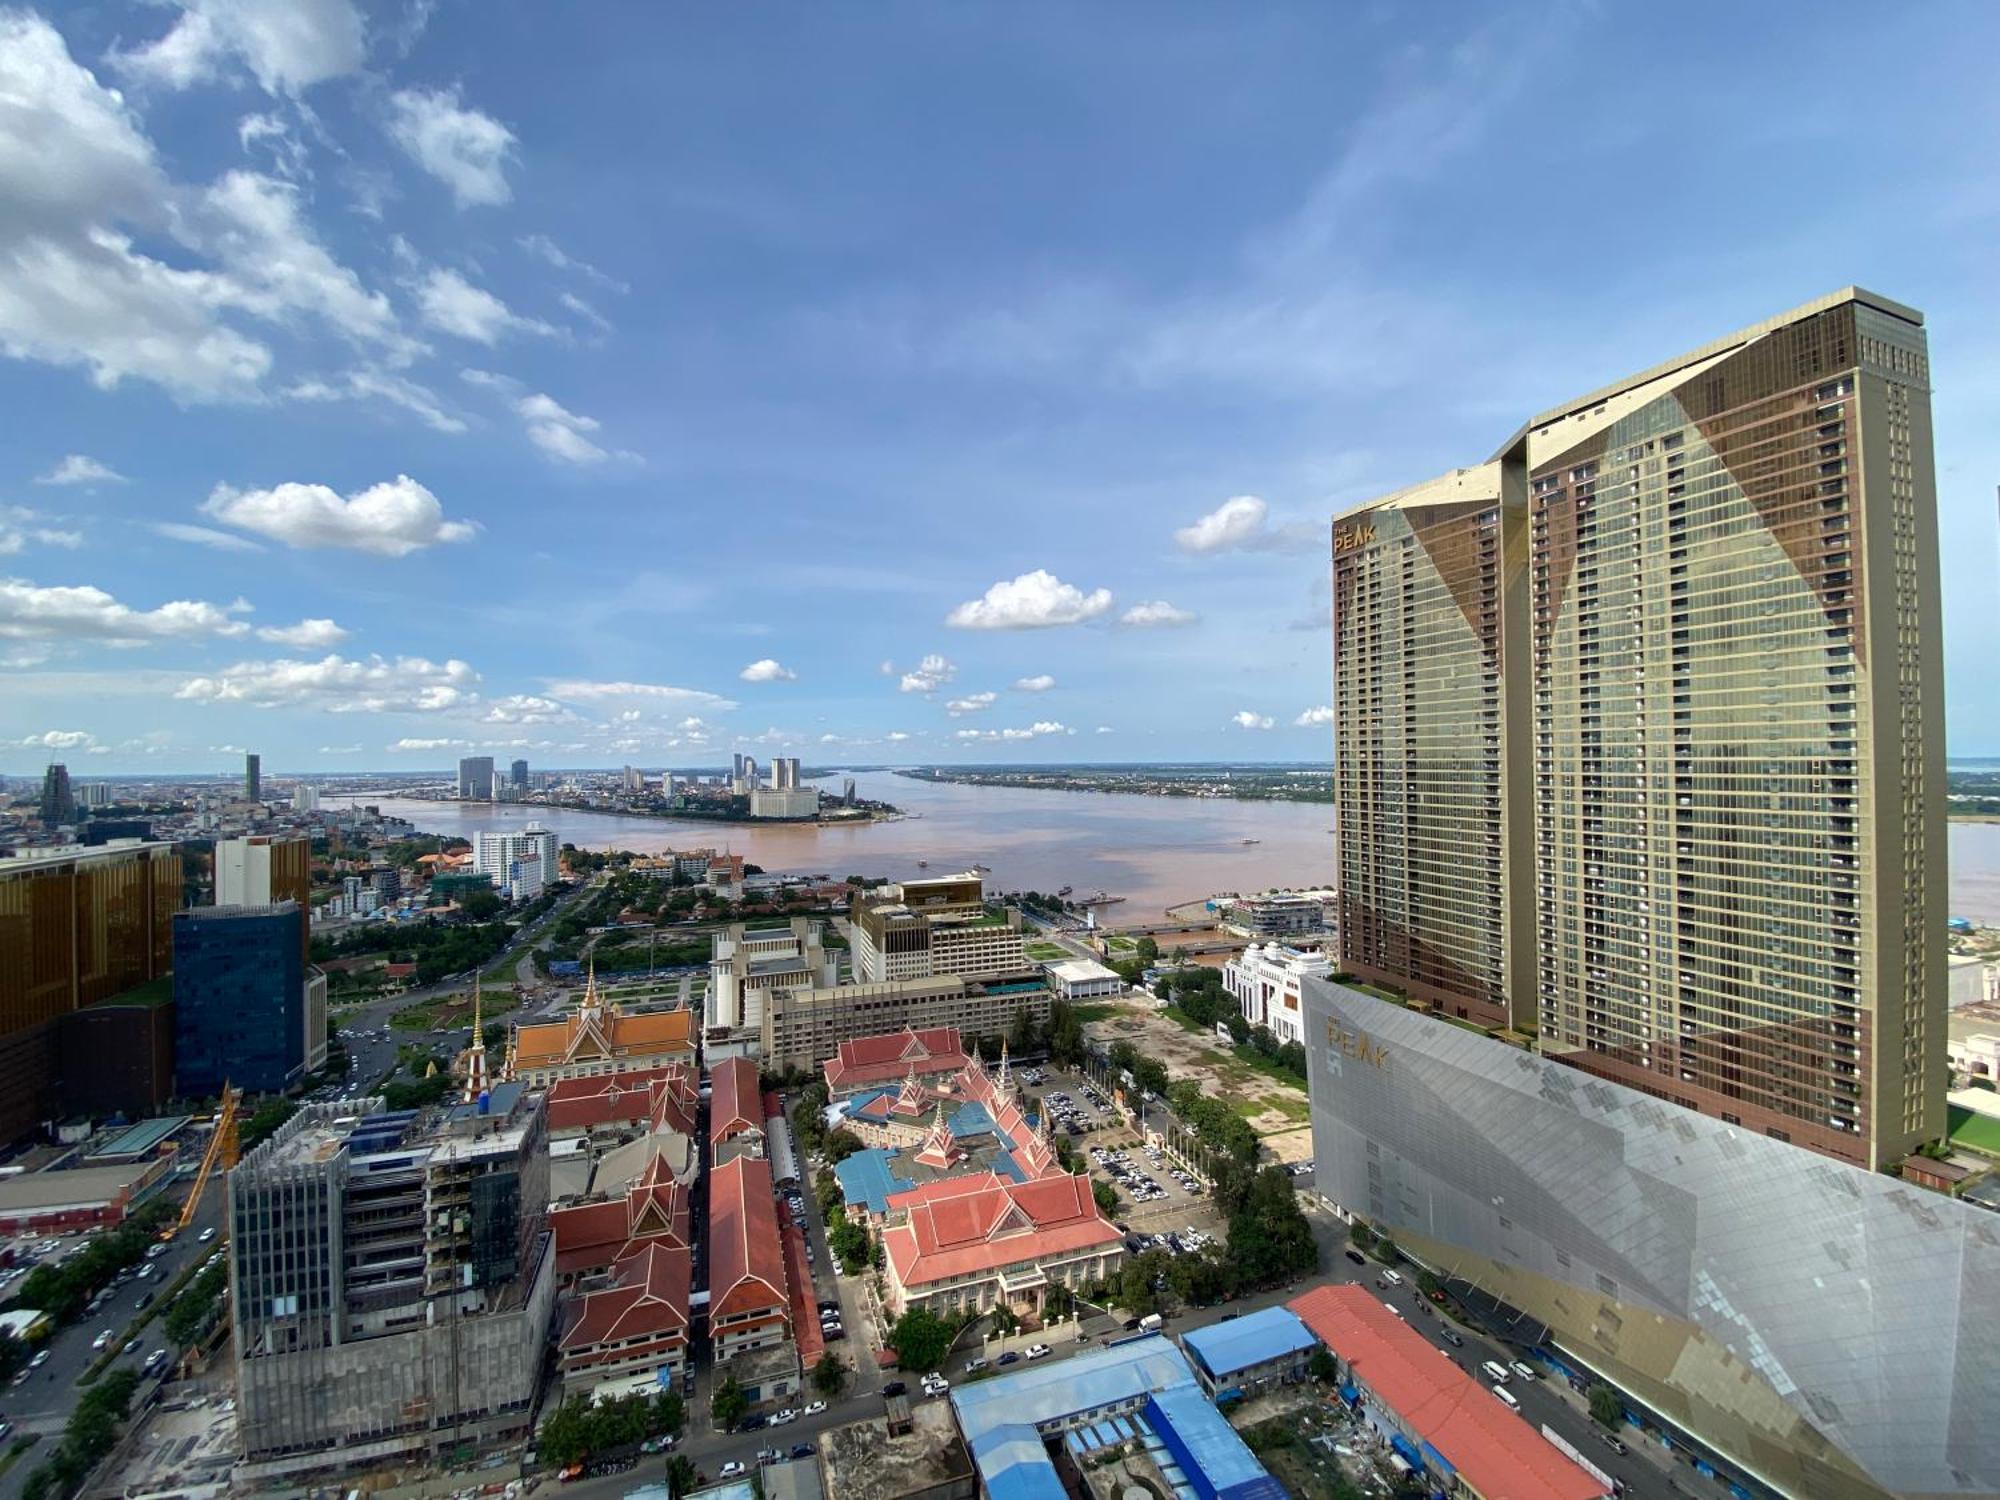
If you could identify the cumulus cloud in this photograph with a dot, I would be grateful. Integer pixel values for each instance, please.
(83, 613)
(20, 526)
(58, 739)
(80, 468)
(927, 676)
(465, 150)
(767, 670)
(1039, 684)
(896, 736)
(1249, 720)
(527, 708)
(971, 703)
(307, 635)
(406, 745)
(449, 303)
(1236, 523)
(1156, 612)
(287, 45)
(336, 684)
(1105, 729)
(391, 519)
(204, 536)
(1040, 729)
(560, 433)
(1312, 718)
(339, 749)
(584, 690)
(1032, 601)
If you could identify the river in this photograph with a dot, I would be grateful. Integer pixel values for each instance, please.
(1154, 851)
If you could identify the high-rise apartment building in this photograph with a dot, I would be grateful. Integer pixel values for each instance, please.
(305, 797)
(923, 928)
(1693, 798)
(76, 926)
(253, 778)
(265, 869)
(58, 801)
(239, 999)
(522, 864)
(517, 775)
(393, 1280)
(475, 778)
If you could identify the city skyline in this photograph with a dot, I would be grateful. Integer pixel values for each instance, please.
(327, 320)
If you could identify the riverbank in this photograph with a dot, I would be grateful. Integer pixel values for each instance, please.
(838, 817)
(1309, 784)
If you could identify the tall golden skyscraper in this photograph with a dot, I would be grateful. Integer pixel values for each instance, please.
(1716, 698)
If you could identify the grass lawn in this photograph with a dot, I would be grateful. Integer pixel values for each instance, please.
(1044, 953)
(1088, 1013)
(1975, 1132)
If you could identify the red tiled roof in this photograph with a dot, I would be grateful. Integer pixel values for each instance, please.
(1494, 1450)
(774, 1107)
(805, 1315)
(959, 1226)
(888, 1056)
(649, 1297)
(588, 1235)
(735, 1105)
(746, 1261)
(613, 1098)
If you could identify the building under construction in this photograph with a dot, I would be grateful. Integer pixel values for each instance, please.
(393, 1279)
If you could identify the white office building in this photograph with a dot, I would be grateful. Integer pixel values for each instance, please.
(499, 855)
(791, 802)
(1265, 982)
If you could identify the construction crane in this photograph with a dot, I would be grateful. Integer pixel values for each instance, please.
(221, 1151)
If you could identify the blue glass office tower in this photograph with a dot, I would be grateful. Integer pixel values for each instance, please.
(239, 998)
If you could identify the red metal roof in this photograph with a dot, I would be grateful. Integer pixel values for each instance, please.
(1496, 1452)
(648, 1298)
(746, 1259)
(620, 1098)
(888, 1057)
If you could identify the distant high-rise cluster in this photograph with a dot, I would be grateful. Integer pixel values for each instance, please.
(1639, 734)
(58, 801)
(517, 775)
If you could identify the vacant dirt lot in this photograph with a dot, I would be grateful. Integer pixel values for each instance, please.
(1276, 1110)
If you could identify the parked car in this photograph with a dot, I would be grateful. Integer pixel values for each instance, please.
(1009, 1358)
(1450, 1336)
(787, 1415)
(802, 1450)
(894, 1388)
(103, 1340)
(1612, 1441)
(731, 1470)
(1038, 1351)
(1357, 1257)
(814, 1408)
(1525, 1371)
(974, 1366)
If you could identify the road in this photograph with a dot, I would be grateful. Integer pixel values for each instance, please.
(42, 1403)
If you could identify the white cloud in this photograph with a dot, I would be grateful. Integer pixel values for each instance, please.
(548, 251)
(971, 703)
(1105, 729)
(465, 150)
(588, 691)
(584, 311)
(1032, 601)
(83, 613)
(59, 739)
(1234, 524)
(288, 45)
(365, 384)
(18, 528)
(1156, 612)
(392, 519)
(274, 135)
(767, 670)
(79, 468)
(895, 736)
(339, 749)
(1038, 684)
(405, 746)
(1040, 729)
(451, 304)
(408, 684)
(887, 669)
(1312, 718)
(1248, 720)
(927, 676)
(559, 433)
(307, 635)
(527, 708)
(204, 536)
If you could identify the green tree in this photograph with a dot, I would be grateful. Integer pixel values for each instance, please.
(479, 906)
(840, 1144)
(1142, 1279)
(830, 1374)
(1106, 1196)
(1323, 1367)
(14, 1353)
(921, 1340)
(1065, 1034)
(668, 1415)
(1022, 1038)
(1360, 1235)
(682, 1476)
(729, 1404)
(849, 1241)
(1148, 951)
(1269, 1238)
(1605, 1407)
(564, 1438)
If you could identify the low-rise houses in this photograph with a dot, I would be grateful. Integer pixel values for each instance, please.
(1265, 982)
(1250, 1354)
(617, 1101)
(592, 1237)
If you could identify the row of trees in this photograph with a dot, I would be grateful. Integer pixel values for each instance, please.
(1269, 1242)
(581, 1428)
(62, 1290)
(90, 1434)
(437, 947)
(195, 1310)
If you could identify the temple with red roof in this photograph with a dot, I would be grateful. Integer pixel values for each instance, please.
(749, 1304)
(635, 1324)
(591, 1237)
(735, 1110)
(931, 1056)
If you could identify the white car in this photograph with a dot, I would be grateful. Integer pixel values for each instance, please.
(205, 1236)
(732, 1469)
(787, 1415)
(1526, 1372)
(103, 1340)
(1038, 1351)
(936, 1385)
(814, 1408)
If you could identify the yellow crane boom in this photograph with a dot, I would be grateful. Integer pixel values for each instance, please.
(221, 1150)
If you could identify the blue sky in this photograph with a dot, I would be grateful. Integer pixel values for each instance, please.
(629, 382)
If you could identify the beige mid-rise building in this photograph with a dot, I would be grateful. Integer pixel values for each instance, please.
(1699, 736)
(923, 928)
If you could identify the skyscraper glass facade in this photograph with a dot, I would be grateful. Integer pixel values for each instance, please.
(239, 998)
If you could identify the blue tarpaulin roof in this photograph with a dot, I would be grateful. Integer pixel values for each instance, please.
(1014, 1465)
(1217, 1463)
(1225, 1348)
(869, 1177)
(971, 1118)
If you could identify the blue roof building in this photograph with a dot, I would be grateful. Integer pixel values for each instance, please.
(1249, 1353)
(1138, 1391)
(868, 1177)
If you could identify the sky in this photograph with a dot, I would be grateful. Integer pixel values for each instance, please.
(385, 382)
